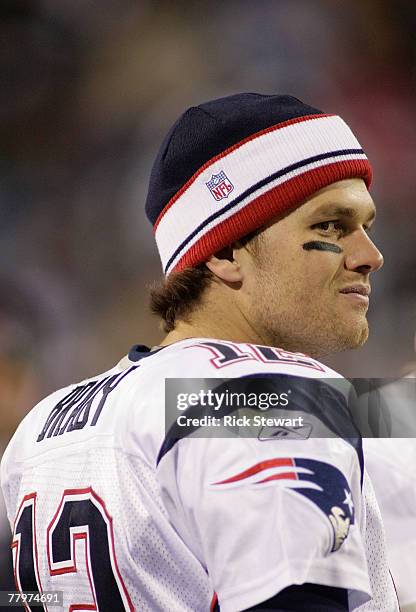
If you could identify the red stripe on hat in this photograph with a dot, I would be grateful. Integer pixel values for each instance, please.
(272, 128)
(258, 467)
(280, 199)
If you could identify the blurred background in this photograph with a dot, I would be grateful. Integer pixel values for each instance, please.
(88, 90)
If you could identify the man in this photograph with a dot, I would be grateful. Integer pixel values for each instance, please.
(261, 215)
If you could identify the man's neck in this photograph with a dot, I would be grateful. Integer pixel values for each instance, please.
(218, 316)
(212, 329)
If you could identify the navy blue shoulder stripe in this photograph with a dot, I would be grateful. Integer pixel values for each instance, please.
(311, 395)
(140, 351)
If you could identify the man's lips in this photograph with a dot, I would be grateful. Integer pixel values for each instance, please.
(364, 290)
(357, 293)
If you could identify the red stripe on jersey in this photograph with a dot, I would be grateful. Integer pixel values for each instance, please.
(214, 603)
(259, 467)
(283, 476)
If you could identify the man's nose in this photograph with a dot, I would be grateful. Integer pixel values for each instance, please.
(362, 255)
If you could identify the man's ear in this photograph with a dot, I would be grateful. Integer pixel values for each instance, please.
(225, 267)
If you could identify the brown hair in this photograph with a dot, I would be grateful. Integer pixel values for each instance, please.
(176, 296)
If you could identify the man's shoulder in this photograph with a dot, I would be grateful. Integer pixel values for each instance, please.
(217, 358)
(36, 417)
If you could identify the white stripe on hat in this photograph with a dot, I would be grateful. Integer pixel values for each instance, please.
(230, 212)
(245, 166)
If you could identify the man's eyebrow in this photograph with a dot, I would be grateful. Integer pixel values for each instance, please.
(342, 211)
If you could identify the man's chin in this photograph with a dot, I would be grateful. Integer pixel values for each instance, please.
(351, 337)
(356, 335)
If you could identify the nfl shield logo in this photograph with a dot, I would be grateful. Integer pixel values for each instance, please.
(220, 186)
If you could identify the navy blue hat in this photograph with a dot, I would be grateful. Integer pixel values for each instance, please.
(228, 166)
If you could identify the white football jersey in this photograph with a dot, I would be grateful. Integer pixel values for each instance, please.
(391, 466)
(106, 509)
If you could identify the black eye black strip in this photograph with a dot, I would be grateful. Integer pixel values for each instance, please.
(321, 246)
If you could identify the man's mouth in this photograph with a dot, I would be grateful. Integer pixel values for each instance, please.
(360, 289)
(359, 293)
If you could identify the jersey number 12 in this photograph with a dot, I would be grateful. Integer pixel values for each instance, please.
(81, 515)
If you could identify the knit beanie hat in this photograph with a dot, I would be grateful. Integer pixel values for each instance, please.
(229, 166)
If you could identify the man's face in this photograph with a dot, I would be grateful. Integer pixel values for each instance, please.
(304, 295)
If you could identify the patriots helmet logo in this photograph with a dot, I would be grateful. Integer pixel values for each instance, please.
(220, 186)
(320, 482)
(341, 526)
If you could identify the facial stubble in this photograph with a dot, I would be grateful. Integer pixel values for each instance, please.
(293, 316)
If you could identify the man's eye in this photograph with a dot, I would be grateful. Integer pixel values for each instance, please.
(329, 226)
